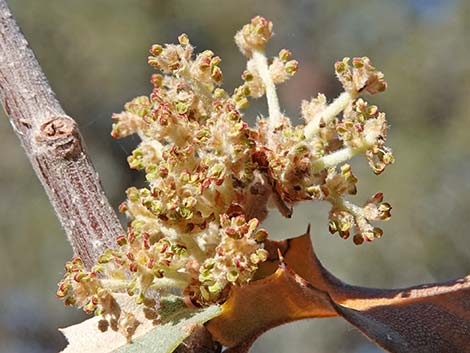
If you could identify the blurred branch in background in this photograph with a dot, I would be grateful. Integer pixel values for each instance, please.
(94, 55)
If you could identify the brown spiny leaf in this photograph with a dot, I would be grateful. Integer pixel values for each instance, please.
(428, 323)
(427, 318)
(279, 298)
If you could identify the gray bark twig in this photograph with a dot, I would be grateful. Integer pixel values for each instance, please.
(54, 146)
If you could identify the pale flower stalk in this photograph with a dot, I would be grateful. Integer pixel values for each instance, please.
(274, 110)
(336, 107)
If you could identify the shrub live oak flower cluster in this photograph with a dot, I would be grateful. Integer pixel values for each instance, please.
(195, 229)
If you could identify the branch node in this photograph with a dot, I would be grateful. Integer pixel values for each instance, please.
(60, 134)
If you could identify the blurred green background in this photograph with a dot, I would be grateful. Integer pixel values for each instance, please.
(94, 54)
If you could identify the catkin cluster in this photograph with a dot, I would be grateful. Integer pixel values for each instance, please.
(211, 178)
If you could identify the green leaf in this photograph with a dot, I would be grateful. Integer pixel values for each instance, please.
(178, 322)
